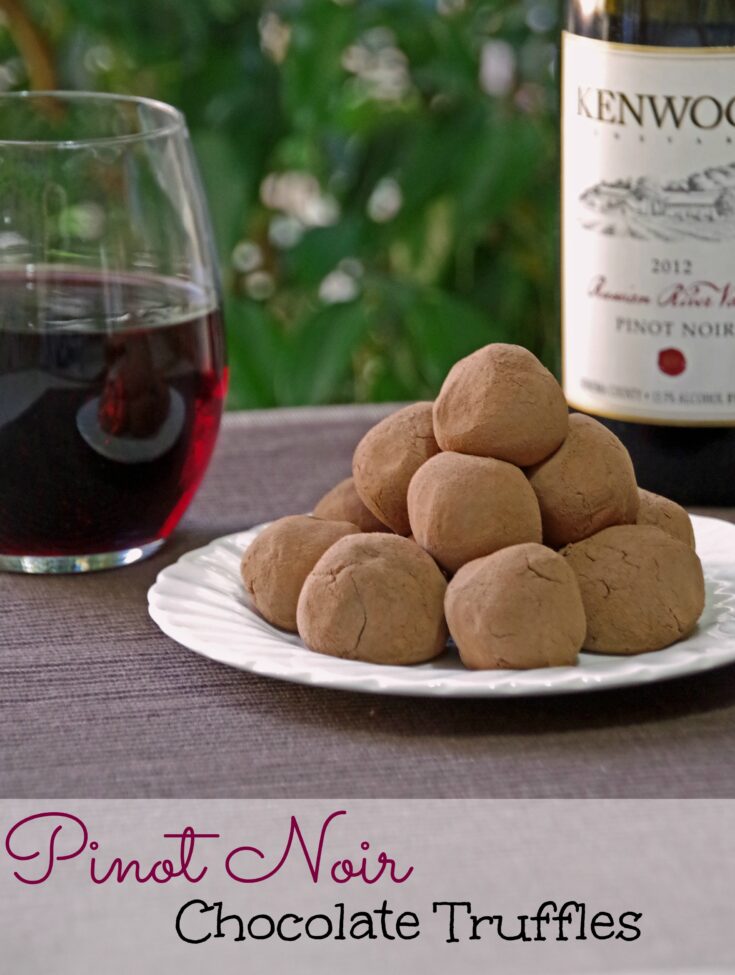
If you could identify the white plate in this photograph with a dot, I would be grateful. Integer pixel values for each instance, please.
(199, 601)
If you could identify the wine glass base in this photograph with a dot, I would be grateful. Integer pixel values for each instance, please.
(58, 564)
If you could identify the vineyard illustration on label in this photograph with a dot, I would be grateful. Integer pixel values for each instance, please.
(698, 207)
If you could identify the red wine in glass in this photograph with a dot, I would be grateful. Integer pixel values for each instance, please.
(111, 394)
(112, 366)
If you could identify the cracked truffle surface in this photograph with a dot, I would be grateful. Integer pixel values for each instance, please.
(501, 402)
(386, 459)
(377, 598)
(666, 515)
(587, 485)
(463, 507)
(276, 563)
(642, 589)
(517, 609)
(343, 503)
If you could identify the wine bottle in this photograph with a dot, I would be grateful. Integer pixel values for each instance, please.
(648, 235)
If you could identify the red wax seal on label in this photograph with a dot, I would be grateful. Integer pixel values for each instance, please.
(672, 362)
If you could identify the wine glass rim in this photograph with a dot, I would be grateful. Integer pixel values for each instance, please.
(172, 120)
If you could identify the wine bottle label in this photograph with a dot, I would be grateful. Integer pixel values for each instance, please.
(648, 225)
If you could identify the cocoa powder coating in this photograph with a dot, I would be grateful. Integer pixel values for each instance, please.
(343, 503)
(587, 485)
(487, 482)
(276, 563)
(386, 459)
(463, 507)
(501, 402)
(666, 515)
(517, 609)
(377, 598)
(642, 589)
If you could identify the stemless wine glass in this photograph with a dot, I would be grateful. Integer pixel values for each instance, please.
(112, 363)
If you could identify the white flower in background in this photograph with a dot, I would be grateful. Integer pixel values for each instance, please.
(275, 36)
(99, 58)
(448, 7)
(84, 220)
(380, 64)
(319, 211)
(260, 285)
(299, 195)
(338, 286)
(246, 256)
(10, 73)
(497, 68)
(13, 247)
(285, 231)
(385, 201)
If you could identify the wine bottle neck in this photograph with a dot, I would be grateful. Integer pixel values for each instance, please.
(669, 23)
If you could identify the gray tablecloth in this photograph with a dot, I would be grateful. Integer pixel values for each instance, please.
(96, 702)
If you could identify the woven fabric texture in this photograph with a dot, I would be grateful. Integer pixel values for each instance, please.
(96, 702)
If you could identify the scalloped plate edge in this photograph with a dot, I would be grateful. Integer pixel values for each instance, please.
(268, 652)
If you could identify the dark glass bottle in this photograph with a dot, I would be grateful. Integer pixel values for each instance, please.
(648, 225)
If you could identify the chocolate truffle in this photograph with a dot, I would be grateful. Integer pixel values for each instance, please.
(666, 515)
(377, 598)
(343, 503)
(517, 609)
(501, 402)
(462, 507)
(275, 564)
(587, 485)
(642, 589)
(386, 459)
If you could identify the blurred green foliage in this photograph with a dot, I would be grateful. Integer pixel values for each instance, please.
(381, 173)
